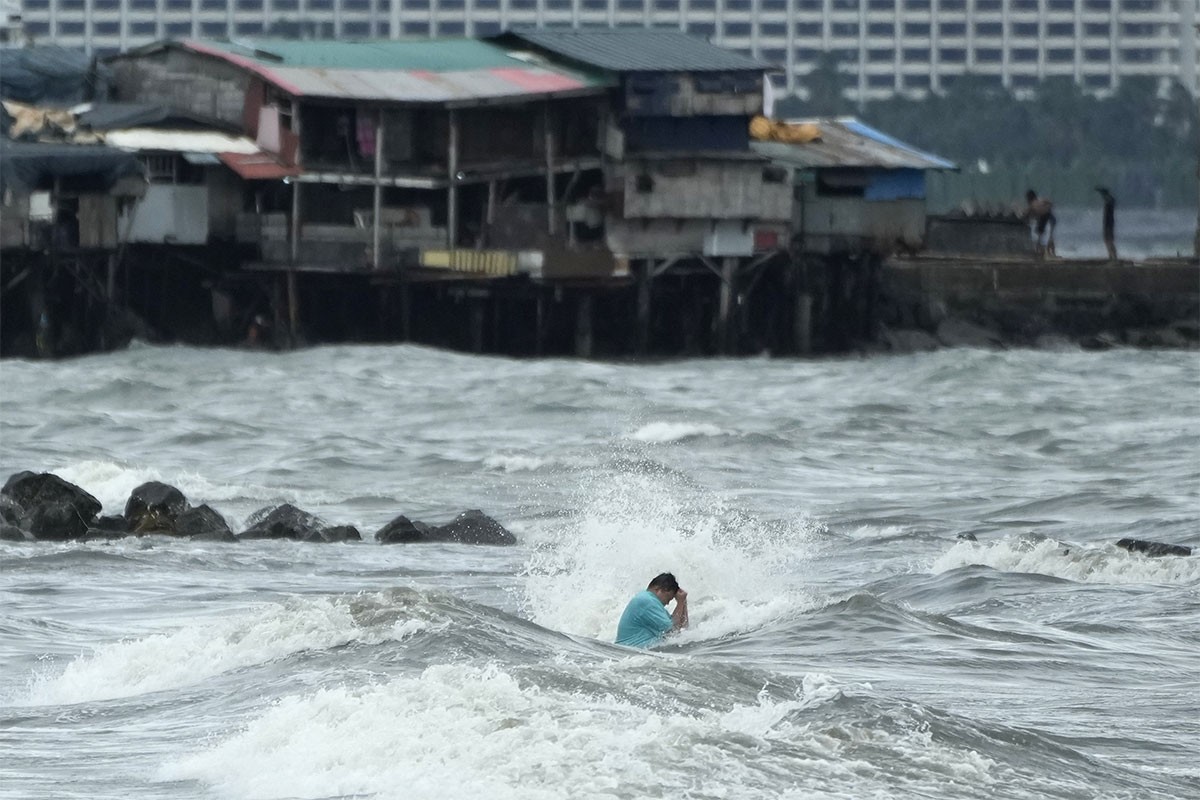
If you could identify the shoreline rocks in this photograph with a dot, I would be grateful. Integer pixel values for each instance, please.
(44, 507)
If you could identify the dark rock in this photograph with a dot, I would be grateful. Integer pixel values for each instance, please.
(30, 490)
(402, 530)
(56, 522)
(10, 511)
(341, 533)
(11, 533)
(955, 332)
(205, 523)
(967, 537)
(283, 522)
(473, 527)
(153, 507)
(109, 527)
(1154, 548)
(909, 341)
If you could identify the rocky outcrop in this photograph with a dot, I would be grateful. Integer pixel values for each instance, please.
(44, 506)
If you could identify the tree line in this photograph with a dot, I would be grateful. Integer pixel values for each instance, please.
(1142, 141)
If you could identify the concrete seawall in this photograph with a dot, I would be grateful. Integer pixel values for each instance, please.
(930, 302)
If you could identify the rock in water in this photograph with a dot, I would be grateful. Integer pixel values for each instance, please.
(402, 530)
(153, 507)
(1154, 548)
(473, 527)
(202, 522)
(50, 507)
(283, 522)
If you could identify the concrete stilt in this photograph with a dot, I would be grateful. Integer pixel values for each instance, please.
(802, 323)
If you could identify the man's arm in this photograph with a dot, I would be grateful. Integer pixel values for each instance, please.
(679, 617)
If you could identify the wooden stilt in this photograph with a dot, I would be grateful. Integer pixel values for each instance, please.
(540, 329)
(725, 314)
(478, 313)
(804, 303)
(583, 327)
(405, 309)
(293, 298)
(645, 276)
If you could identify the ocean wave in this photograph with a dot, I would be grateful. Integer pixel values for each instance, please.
(516, 462)
(203, 648)
(1081, 563)
(666, 432)
(484, 730)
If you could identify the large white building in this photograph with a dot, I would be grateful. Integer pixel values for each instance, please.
(909, 46)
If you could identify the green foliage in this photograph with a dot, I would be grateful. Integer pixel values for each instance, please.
(1139, 141)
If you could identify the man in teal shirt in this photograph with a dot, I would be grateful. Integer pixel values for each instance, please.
(646, 620)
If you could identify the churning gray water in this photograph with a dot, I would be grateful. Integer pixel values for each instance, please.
(844, 642)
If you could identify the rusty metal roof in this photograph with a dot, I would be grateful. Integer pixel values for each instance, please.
(847, 142)
(448, 71)
(636, 49)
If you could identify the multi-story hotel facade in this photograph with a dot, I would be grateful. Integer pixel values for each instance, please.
(889, 46)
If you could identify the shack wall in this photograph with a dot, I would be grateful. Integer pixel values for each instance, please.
(183, 80)
(690, 189)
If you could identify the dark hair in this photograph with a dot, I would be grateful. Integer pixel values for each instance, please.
(666, 581)
(1031, 194)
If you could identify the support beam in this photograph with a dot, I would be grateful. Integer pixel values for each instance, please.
(452, 188)
(548, 131)
(377, 206)
(490, 215)
(725, 314)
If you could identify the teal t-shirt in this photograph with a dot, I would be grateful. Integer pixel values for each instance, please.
(644, 622)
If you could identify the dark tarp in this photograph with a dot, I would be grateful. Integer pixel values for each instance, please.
(104, 116)
(45, 75)
(33, 166)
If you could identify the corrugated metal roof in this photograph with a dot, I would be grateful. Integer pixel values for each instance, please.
(439, 71)
(847, 142)
(637, 49)
(432, 55)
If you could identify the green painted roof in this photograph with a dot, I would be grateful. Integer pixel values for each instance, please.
(434, 55)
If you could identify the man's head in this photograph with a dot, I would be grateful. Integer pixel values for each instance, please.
(664, 586)
(1030, 196)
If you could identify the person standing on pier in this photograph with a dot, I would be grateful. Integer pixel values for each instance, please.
(1041, 212)
(1110, 206)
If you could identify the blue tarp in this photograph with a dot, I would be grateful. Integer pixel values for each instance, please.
(895, 184)
(48, 76)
